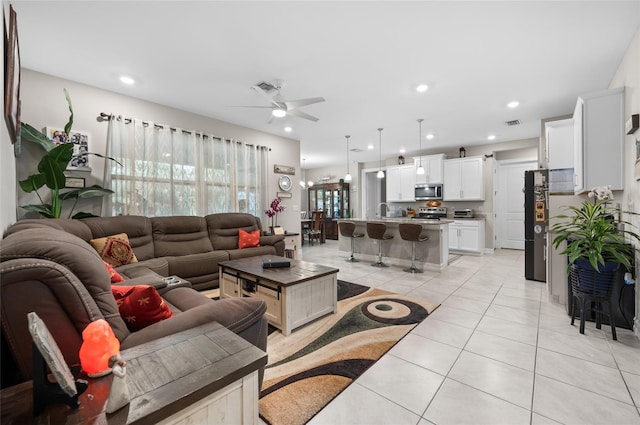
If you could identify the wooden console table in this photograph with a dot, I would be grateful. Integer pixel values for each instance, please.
(206, 374)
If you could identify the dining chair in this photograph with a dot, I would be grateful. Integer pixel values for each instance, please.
(315, 232)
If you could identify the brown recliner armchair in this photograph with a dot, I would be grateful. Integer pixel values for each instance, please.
(61, 278)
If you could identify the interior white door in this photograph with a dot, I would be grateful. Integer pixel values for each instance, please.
(510, 203)
(373, 193)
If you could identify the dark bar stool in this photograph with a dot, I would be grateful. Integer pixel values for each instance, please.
(347, 229)
(378, 231)
(413, 233)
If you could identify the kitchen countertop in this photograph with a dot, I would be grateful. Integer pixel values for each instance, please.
(426, 222)
(433, 252)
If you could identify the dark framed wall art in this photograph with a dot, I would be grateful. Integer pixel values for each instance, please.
(12, 78)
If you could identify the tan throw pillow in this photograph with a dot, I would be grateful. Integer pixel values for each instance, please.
(115, 249)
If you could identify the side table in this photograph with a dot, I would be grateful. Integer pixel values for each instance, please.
(291, 243)
(206, 374)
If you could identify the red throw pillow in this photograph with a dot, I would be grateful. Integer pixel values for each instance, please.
(248, 239)
(140, 305)
(113, 274)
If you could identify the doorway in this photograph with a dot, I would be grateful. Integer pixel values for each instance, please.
(374, 191)
(509, 202)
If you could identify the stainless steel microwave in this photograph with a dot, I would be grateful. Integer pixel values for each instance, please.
(428, 192)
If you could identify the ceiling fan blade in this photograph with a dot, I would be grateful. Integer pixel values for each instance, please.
(293, 104)
(265, 96)
(301, 114)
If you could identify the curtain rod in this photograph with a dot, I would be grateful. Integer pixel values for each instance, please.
(106, 117)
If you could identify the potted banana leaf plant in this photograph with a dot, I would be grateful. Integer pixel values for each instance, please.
(51, 173)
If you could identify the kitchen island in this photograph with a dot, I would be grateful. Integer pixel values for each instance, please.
(430, 255)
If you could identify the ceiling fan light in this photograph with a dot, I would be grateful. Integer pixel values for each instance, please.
(347, 178)
(380, 174)
(420, 170)
(279, 113)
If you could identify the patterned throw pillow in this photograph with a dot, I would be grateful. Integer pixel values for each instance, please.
(113, 274)
(140, 305)
(248, 239)
(115, 249)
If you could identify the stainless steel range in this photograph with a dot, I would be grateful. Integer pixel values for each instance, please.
(432, 213)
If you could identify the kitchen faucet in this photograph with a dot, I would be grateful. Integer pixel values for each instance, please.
(380, 207)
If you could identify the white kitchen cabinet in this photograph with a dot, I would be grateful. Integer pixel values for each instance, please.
(432, 165)
(599, 140)
(559, 136)
(401, 181)
(464, 179)
(467, 236)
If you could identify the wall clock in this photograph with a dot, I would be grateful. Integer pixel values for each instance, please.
(285, 183)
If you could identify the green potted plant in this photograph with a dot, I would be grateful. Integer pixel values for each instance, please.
(593, 236)
(51, 173)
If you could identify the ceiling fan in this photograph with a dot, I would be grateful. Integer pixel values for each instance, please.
(281, 107)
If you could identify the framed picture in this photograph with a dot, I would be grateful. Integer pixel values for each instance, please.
(74, 183)
(80, 145)
(284, 195)
(284, 169)
(12, 78)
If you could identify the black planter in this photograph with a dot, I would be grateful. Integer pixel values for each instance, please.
(592, 289)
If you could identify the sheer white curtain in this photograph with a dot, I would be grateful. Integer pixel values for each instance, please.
(173, 172)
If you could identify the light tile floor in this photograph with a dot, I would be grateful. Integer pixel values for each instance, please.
(496, 351)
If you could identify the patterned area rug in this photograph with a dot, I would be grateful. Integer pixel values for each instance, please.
(314, 364)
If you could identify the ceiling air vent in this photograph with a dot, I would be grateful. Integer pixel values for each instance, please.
(356, 150)
(265, 86)
(512, 122)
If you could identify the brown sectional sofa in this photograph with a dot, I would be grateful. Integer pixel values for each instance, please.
(48, 266)
(185, 246)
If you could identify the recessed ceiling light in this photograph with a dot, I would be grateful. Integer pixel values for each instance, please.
(127, 80)
(369, 147)
(491, 137)
(402, 150)
(288, 129)
(429, 136)
(421, 88)
(513, 104)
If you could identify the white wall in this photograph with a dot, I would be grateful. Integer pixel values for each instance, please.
(44, 104)
(628, 76)
(7, 161)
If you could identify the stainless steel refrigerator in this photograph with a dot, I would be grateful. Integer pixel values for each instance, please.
(536, 219)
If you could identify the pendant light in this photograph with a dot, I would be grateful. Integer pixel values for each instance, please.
(347, 176)
(380, 174)
(420, 170)
(302, 183)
